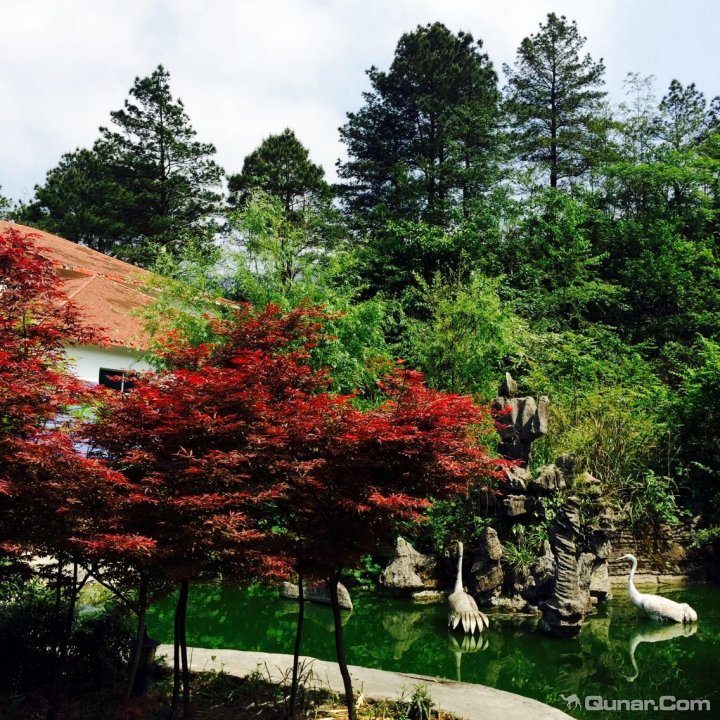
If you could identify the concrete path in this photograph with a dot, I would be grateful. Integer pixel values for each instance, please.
(473, 702)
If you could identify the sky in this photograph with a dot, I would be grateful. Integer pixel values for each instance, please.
(246, 69)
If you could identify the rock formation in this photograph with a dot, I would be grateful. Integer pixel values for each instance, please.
(570, 602)
(520, 421)
(318, 593)
(409, 570)
(486, 573)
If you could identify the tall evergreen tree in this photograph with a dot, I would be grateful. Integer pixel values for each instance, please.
(146, 183)
(552, 97)
(423, 144)
(79, 201)
(682, 118)
(280, 167)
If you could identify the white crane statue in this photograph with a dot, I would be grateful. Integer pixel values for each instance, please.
(463, 609)
(657, 607)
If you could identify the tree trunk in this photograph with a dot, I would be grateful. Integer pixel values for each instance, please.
(176, 656)
(137, 650)
(184, 592)
(296, 655)
(54, 684)
(340, 647)
(63, 633)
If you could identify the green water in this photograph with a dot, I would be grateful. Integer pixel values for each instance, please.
(400, 635)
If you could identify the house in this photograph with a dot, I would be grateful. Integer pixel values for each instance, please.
(111, 294)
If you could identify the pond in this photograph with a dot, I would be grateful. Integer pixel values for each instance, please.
(618, 654)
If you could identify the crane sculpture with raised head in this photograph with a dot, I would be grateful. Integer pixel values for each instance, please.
(462, 608)
(657, 607)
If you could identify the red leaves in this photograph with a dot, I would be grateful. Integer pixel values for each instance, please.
(234, 438)
(110, 545)
(48, 492)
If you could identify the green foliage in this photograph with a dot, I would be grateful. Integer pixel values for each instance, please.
(464, 518)
(101, 645)
(697, 412)
(276, 249)
(466, 338)
(608, 407)
(552, 95)
(188, 292)
(420, 705)
(648, 502)
(6, 207)
(526, 545)
(706, 536)
(366, 574)
(424, 142)
(146, 183)
(280, 167)
(26, 622)
(98, 646)
(551, 266)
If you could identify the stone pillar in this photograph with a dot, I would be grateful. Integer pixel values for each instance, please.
(564, 612)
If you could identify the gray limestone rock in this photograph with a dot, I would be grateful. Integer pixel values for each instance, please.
(521, 420)
(549, 480)
(565, 610)
(409, 569)
(509, 387)
(517, 477)
(600, 586)
(588, 485)
(517, 505)
(318, 593)
(486, 573)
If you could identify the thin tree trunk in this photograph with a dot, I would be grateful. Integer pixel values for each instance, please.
(54, 685)
(140, 636)
(176, 659)
(340, 647)
(298, 641)
(184, 592)
(64, 631)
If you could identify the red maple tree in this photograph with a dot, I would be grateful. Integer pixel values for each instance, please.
(239, 460)
(193, 443)
(49, 492)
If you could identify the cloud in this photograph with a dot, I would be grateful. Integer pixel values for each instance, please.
(249, 68)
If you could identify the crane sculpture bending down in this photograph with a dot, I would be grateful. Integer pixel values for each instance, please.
(463, 609)
(657, 607)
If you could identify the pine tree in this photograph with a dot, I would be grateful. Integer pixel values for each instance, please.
(552, 97)
(423, 144)
(280, 167)
(682, 118)
(146, 183)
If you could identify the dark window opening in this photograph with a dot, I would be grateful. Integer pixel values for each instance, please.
(114, 379)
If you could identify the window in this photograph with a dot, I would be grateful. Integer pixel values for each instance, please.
(114, 379)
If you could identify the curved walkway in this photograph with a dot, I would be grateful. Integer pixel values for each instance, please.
(473, 702)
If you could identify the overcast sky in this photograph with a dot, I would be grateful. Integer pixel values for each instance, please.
(249, 68)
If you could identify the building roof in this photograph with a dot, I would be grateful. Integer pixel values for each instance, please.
(110, 292)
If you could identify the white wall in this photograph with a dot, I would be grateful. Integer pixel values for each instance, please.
(86, 361)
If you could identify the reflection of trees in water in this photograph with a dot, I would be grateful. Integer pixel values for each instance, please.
(398, 635)
(406, 630)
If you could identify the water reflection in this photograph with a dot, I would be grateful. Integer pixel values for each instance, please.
(653, 634)
(467, 644)
(390, 634)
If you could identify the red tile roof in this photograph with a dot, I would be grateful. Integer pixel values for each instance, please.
(109, 291)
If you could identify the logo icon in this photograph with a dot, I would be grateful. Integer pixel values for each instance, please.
(573, 701)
